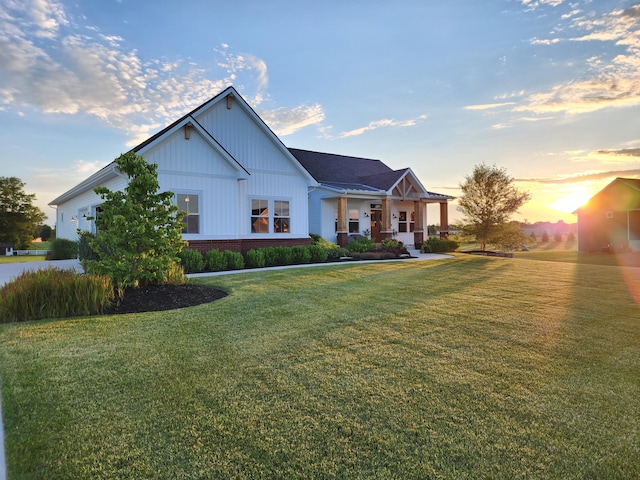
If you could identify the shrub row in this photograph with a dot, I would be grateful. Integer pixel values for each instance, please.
(213, 261)
(54, 293)
(216, 260)
(62, 249)
(439, 245)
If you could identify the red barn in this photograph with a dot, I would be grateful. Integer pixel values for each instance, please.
(610, 220)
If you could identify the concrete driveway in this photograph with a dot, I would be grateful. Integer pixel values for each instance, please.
(9, 271)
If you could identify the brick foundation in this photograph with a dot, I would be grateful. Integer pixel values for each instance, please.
(243, 245)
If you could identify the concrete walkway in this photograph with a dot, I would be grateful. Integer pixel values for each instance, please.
(9, 271)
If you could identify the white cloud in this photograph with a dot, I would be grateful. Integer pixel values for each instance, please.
(533, 4)
(488, 106)
(286, 121)
(49, 64)
(381, 124)
(610, 82)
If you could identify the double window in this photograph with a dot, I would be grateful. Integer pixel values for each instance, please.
(406, 223)
(270, 216)
(189, 204)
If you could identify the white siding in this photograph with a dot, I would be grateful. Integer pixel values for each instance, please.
(69, 214)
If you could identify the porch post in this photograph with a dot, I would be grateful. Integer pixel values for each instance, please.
(418, 225)
(386, 231)
(444, 220)
(343, 231)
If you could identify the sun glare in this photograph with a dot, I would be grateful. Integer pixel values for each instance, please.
(571, 200)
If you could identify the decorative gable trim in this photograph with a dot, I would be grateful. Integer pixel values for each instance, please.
(191, 125)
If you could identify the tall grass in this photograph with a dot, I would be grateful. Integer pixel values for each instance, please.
(53, 293)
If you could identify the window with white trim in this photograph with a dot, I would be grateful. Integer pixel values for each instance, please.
(281, 217)
(406, 223)
(190, 205)
(270, 216)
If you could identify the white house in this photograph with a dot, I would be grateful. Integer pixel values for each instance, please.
(238, 183)
(242, 188)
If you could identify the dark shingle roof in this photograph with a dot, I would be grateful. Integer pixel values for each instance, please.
(351, 173)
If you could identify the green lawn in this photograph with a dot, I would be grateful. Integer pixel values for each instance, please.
(469, 367)
(22, 258)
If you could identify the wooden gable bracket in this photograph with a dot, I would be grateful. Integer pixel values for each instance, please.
(229, 101)
(187, 131)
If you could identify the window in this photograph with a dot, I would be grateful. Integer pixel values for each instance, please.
(188, 203)
(281, 216)
(354, 221)
(266, 212)
(259, 216)
(406, 223)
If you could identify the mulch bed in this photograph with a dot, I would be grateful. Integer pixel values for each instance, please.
(156, 298)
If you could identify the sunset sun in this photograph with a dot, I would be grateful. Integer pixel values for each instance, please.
(569, 201)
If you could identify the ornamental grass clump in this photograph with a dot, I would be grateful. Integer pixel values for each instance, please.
(54, 293)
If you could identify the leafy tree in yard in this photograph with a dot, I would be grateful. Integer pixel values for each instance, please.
(508, 236)
(488, 200)
(18, 216)
(139, 230)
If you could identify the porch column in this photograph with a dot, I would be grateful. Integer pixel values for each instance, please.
(418, 225)
(386, 230)
(343, 231)
(444, 219)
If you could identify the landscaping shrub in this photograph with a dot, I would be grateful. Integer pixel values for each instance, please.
(191, 260)
(54, 293)
(270, 256)
(300, 255)
(255, 258)
(235, 261)
(318, 254)
(334, 254)
(360, 246)
(215, 261)
(284, 256)
(62, 249)
(85, 252)
(439, 245)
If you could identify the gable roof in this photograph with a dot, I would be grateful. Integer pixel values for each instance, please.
(357, 174)
(228, 94)
(622, 194)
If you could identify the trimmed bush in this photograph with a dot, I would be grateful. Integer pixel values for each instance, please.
(54, 293)
(439, 245)
(270, 256)
(318, 254)
(334, 254)
(255, 258)
(215, 261)
(191, 260)
(235, 261)
(284, 255)
(62, 249)
(300, 255)
(360, 246)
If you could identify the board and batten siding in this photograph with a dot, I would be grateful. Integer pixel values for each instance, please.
(69, 216)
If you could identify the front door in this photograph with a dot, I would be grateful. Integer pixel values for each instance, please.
(376, 223)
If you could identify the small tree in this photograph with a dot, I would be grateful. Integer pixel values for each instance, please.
(508, 236)
(488, 200)
(139, 230)
(18, 216)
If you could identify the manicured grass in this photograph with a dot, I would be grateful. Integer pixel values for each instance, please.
(21, 258)
(470, 367)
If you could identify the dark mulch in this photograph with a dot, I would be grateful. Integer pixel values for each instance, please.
(155, 298)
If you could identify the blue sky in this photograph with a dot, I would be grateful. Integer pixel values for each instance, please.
(548, 89)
